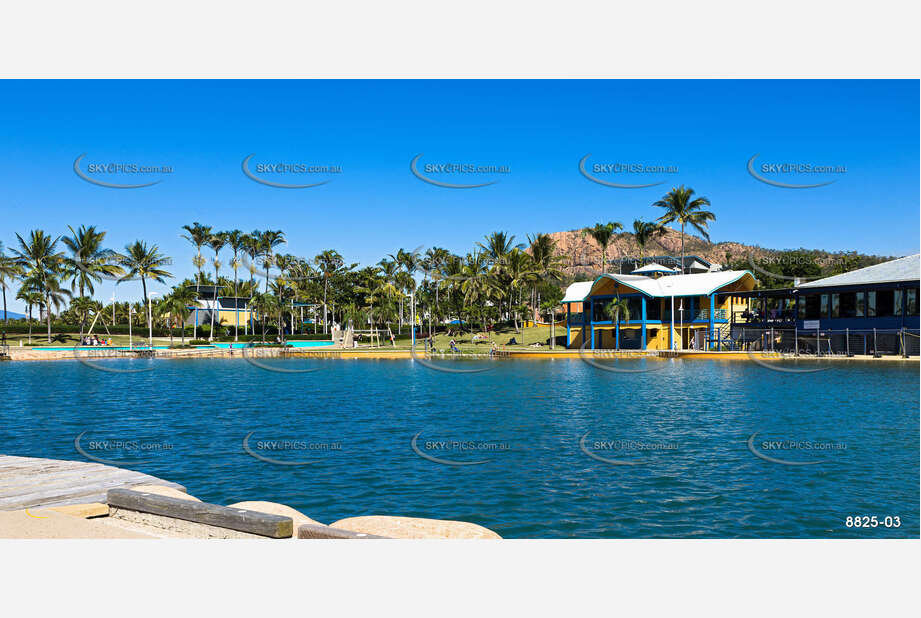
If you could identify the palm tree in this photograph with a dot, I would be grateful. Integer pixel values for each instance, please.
(44, 266)
(679, 206)
(519, 270)
(615, 309)
(176, 306)
(644, 231)
(497, 247)
(216, 242)
(10, 269)
(410, 262)
(31, 298)
(252, 246)
(236, 240)
(478, 285)
(328, 263)
(602, 233)
(438, 257)
(145, 262)
(268, 240)
(264, 304)
(198, 235)
(88, 263)
(82, 305)
(547, 264)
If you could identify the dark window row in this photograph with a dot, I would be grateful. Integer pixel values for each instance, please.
(871, 304)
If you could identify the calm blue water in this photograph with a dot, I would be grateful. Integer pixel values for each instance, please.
(686, 427)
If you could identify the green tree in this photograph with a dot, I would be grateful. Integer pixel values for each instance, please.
(88, 262)
(328, 263)
(198, 235)
(31, 298)
(43, 264)
(680, 205)
(603, 233)
(10, 270)
(216, 242)
(617, 309)
(236, 240)
(643, 232)
(146, 262)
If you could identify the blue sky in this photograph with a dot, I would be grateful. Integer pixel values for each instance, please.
(539, 129)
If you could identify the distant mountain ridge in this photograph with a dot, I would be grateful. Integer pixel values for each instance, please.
(582, 255)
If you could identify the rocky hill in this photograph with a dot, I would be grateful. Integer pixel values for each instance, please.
(582, 255)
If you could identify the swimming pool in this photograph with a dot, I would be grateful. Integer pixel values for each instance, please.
(103, 347)
(293, 344)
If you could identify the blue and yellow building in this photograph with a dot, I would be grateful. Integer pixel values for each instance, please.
(674, 311)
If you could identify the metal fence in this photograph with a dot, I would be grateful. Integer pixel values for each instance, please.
(826, 342)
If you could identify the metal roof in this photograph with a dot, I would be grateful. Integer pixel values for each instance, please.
(653, 268)
(903, 269)
(700, 284)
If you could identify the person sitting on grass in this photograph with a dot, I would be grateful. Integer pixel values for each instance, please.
(454, 346)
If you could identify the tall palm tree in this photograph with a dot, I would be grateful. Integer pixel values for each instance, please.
(548, 264)
(198, 235)
(43, 262)
(410, 262)
(438, 258)
(88, 262)
(176, 307)
(644, 231)
(602, 233)
(328, 262)
(10, 270)
(478, 284)
(146, 262)
(265, 305)
(497, 247)
(680, 205)
(31, 298)
(519, 270)
(216, 242)
(252, 246)
(268, 240)
(236, 240)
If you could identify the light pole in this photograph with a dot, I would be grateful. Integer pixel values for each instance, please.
(412, 313)
(681, 327)
(150, 319)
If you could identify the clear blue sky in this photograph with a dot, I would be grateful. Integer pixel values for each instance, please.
(540, 130)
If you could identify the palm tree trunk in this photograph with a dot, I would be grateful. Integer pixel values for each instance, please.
(325, 308)
(30, 324)
(144, 287)
(48, 314)
(197, 294)
(5, 319)
(236, 309)
(211, 334)
(682, 248)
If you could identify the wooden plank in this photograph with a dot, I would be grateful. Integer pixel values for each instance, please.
(313, 531)
(36, 482)
(95, 488)
(253, 522)
(107, 478)
(14, 484)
